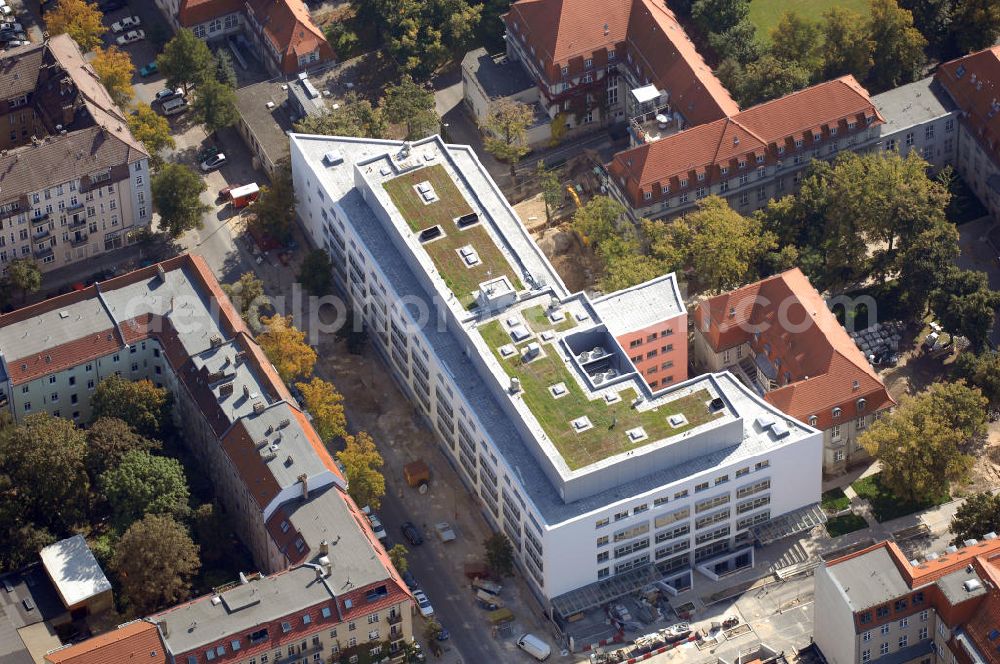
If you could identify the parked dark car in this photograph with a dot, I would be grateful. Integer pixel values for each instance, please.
(412, 534)
(409, 580)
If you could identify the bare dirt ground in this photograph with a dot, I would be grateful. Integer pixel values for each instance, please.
(575, 263)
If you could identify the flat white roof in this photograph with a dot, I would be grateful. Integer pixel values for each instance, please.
(74, 570)
(645, 93)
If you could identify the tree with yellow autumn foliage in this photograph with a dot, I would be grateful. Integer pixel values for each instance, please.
(286, 347)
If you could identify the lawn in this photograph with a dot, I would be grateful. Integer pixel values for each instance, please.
(848, 523)
(461, 279)
(886, 506)
(835, 500)
(539, 322)
(607, 437)
(765, 13)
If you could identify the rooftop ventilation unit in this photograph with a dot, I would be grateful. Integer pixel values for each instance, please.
(332, 158)
(970, 542)
(972, 585)
(225, 389)
(467, 220)
(990, 536)
(779, 430)
(284, 423)
(951, 549)
(429, 234)
(933, 556)
(258, 408)
(716, 404)
(216, 341)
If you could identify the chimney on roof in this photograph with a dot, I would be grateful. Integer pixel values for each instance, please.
(324, 548)
(164, 629)
(305, 484)
(246, 391)
(161, 273)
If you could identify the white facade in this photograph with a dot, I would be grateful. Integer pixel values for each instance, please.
(67, 223)
(603, 518)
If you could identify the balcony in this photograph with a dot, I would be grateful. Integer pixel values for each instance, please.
(395, 619)
(79, 240)
(79, 223)
(78, 206)
(43, 253)
(41, 235)
(40, 220)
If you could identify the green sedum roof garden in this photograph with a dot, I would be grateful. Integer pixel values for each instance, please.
(462, 279)
(607, 436)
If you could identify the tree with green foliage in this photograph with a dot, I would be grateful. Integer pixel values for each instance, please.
(144, 406)
(763, 79)
(923, 445)
(600, 219)
(981, 371)
(225, 72)
(114, 68)
(79, 19)
(342, 38)
(185, 61)
(626, 263)
(506, 125)
(499, 554)
(411, 104)
(738, 42)
(362, 461)
(722, 246)
(248, 296)
(155, 561)
(274, 211)
(109, 439)
(397, 554)
(847, 44)
(177, 193)
(421, 35)
(923, 264)
(355, 117)
(151, 129)
(24, 275)
(145, 484)
(42, 463)
(978, 515)
(552, 189)
(326, 406)
(966, 305)
(899, 47)
(316, 273)
(719, 15)
(975, 25)
(799, 40)
(215, 105)
(933, 19)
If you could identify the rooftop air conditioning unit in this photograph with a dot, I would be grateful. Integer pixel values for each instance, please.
(258, 408)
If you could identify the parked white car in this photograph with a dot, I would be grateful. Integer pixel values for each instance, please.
(424, 604)
(126, 23)
(377, 526)
(130, 37)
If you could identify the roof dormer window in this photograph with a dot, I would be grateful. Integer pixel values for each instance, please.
(852, 125)
(684, 183)
(742, 163)
(836, 412)
(647, 195)
(861, 404)
(816, 136)
(724, 170)
(781, 149)
(798, 142)
(565, 71)
(760, 158)
(701, 176)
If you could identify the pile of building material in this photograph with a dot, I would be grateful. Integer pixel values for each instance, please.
(879, 338)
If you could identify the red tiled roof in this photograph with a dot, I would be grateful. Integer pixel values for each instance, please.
(986, 621)
(567, 32)
(973, 82)
(658, 43)
(134, 643)
(798, 330)
(290, 28)
(192, 12)
(762, 129)
(286, 23)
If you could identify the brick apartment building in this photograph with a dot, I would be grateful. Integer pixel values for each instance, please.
(749, 157)
(74, 182)
(281, 33)
(596, 62)
(973, 82)
(778, 336)
(875, 606)
(273, 477)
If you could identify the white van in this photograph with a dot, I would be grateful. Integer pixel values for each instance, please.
(534, 646)
(175, 106)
